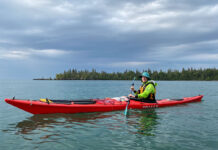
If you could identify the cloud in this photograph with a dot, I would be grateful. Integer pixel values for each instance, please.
(31, 53)
(155, 16)
(201, 57)
(116, 34)
(13, 55)
(130, 64)
(145, 17)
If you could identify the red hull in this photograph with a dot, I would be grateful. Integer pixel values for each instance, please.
(104, 105)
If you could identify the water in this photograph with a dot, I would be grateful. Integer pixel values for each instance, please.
(185, 127)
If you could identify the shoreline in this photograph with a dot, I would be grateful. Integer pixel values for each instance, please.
(115, 80)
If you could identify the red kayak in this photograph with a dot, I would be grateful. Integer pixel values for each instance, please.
(91, 105)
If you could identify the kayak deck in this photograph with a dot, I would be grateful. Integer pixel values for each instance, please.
(93, 105)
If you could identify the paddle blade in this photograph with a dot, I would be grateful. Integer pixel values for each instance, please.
(126, 110)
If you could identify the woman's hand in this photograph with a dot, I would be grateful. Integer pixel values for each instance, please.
(130, 95)
(132, 88)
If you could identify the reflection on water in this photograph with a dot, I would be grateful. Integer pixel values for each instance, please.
(56, 127)
(142, 129)
(145, 122)
(41, 122)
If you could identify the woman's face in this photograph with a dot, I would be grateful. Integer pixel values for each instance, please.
(144, 79)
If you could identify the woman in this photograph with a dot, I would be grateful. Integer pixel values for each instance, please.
(147, 90)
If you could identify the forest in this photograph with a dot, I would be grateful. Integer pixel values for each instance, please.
(184, 74)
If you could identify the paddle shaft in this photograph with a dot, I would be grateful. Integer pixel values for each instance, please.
(126, 110)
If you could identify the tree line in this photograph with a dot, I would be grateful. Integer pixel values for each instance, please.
(184, 74)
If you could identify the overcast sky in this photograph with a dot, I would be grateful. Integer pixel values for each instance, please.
(39, 38)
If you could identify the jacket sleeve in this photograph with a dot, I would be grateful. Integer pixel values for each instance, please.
(149, 89)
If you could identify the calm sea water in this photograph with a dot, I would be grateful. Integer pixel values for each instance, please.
(189, 126)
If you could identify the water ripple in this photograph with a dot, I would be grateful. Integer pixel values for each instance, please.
(190, 126)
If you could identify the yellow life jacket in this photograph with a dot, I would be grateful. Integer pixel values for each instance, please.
(142, 88)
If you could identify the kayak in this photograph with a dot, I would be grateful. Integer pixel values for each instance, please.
(46, 106)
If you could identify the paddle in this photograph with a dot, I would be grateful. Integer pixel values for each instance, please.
(126, 110)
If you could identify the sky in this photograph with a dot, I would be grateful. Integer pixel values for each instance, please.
(39, 38)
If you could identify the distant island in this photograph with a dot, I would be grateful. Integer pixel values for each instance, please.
(185, 74)
(43, 78)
